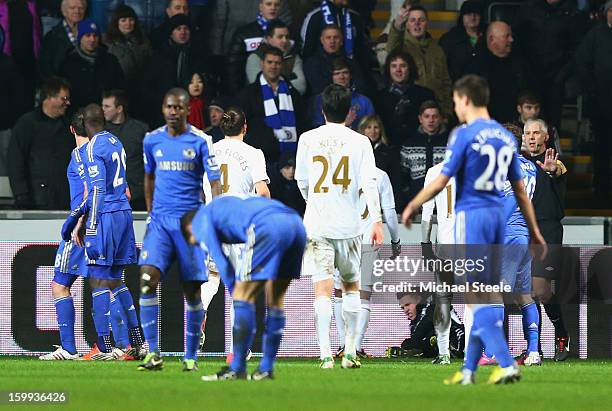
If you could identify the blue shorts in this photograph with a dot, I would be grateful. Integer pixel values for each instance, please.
(479, 235)
(164, 242)
(115, 236)
(274, 250)
(70, 263)
(516, 264)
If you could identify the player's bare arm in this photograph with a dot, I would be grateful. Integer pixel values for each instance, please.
(149, 187)
(426, 194)
(215, 188)
(261, 188)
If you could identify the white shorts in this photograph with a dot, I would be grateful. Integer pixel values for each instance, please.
(323, 255)
(233, 253)
(368, 256)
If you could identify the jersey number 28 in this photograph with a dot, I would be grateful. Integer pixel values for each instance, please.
(498, 164)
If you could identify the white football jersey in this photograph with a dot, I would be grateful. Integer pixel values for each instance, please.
(444, 204)
(240, 166)
(333, 163)
(387, 201)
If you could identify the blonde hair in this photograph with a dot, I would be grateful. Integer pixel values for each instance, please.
(373, 118)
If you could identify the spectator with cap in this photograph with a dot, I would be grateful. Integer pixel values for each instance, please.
(89, 68)
(171, 66)
(39, 151)
(360, 105)
(283, 186)
(216, 108)
(159, 35)
(277, 35)
(594, 62)
(464, 44)
(62, 38)
(317, 67)
(409, 33)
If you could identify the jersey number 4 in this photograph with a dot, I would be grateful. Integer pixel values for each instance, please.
(498, 164)
(120, 159)
(341, 168)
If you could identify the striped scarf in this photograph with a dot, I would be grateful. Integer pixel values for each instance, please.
(281, 119)
(347, 25)
(263, 23)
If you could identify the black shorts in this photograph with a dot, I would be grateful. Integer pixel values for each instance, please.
(550, 267)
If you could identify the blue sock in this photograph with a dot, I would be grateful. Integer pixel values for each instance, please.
(64, 308)
(118, 324)
(244, 332)
(195, 316)
(275, 324)
(101, 314)
(149, 311)
(123, 295)
(499, 310)
(531, 324)
(489, 321)
(474, 351)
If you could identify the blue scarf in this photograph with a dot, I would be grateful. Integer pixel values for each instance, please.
(347, 25)
(282, 119)
(263, 23)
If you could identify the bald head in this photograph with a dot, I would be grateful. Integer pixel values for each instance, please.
(499, 39)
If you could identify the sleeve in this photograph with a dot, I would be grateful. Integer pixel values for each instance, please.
(258, 172)
(96, 171)
(584, 63)
(317, 114)
(455, 154)
(428, 206)
(208, 159)
(301, 168)
(396, 39)
(253, 67)
(147, 156)
(387, 201)
(514, 170)
(308, 33)
(446, 85)
(299, 82)
(368, 182)
(236, 59)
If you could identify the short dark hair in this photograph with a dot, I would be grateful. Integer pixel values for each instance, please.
(413, 72)
(517, 132)
(78, 122)
(275, 51)
(273, 25)
(528, 96)
(120, 96)
(52, 87)
(177, 92)
(418, 7)
(340, 63)
(93, 116)
(336, 103)
(186, 221)
(332, 27)
(232, 121)
(427, 105)
(475, 88)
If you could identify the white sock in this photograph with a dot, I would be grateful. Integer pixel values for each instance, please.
(468, 320)
(231, 334)
(350, 310)
(209, 290)
(340, 327)
(364, 320)
(323, 317)
(442, 325)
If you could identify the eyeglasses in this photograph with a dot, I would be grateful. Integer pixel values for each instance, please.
(64, 98)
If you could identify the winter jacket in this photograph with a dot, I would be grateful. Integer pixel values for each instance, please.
(55, 48)
(594, 64)
(462, 58)
(431, 64)
(360, 105)
(317, 69)
(132, 57)
(13, 102)
(292, 67)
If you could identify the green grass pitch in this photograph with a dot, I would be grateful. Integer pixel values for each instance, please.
(300, 385)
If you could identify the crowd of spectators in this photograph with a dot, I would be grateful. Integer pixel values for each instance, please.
(273, 58)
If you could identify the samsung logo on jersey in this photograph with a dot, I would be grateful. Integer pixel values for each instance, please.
(176, 166)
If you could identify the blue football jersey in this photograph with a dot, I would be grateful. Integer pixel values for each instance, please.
(179, 164)
(481, 156)
(516, 224)
(76, 176)
(105, 164)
